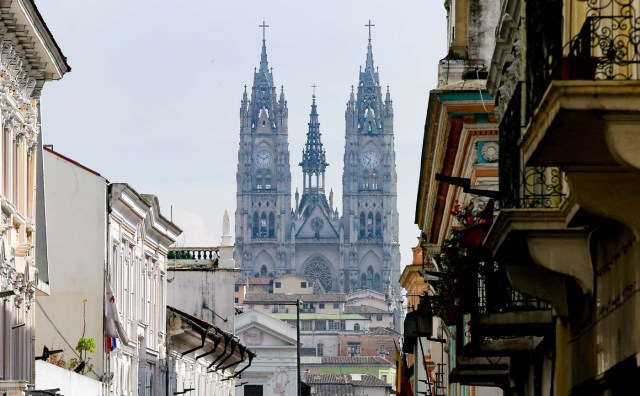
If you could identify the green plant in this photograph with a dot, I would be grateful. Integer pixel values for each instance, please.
(85, 346)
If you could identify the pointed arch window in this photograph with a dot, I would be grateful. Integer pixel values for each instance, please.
(263, 270)
(263, 225)
(267, 181)
(363, 281)
(272, 225)
(365, 180)
(370, 225)
(256, 225)
(378, 225)
(363, 225)
(374, 180)
(377, 283)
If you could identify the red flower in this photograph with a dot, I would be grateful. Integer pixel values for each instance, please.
(470, 219)
(482, 221)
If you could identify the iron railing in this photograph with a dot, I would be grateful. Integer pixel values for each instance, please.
(495, 294)
(520, 186)
(606, 48)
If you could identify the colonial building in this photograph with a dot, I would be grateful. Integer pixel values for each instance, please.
(29, 57)
(356, 250)
(105, 237)
(454, 209)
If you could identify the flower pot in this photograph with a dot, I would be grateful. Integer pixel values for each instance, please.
(578, 67)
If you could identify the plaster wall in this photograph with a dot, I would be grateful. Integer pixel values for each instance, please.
(76, 223)
(49, 376)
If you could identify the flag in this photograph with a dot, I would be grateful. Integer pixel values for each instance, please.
(403, 385)
(113, 329)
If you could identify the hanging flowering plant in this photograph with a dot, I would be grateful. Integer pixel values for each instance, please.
(468, 214)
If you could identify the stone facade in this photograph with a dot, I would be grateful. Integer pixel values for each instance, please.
(356, 250)
(29, 57)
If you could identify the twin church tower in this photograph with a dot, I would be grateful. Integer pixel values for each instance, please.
(357, 249)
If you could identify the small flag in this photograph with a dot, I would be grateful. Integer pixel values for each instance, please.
(113, 329)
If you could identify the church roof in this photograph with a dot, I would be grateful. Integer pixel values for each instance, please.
(259, 281)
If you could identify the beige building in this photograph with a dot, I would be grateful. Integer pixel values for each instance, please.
(28, 58)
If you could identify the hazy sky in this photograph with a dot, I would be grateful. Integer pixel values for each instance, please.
(153, 98)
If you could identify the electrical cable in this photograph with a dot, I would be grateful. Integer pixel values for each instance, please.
(61, 335)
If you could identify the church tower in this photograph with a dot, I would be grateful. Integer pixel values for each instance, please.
(370, 255)
(263, 177)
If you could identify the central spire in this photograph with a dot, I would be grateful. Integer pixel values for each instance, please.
(313, 156)
(369, 65)
(264, 66)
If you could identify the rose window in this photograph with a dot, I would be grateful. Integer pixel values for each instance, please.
(318, 269)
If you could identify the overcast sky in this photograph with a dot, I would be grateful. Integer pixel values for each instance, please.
(154, 94)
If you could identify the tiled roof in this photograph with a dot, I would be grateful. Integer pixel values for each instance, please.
(259, 281)
(316, 316)
(364, 309)
(362, 360)
(338, 379)
(274, 298)
(383, 331)
(333, 390)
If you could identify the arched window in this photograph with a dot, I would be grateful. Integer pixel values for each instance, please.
(370, 225)
(365, 180)
(363, 225)
(272, 225)
(267, 181)
(259, 185)
(363, 281)
(256, 224)
(377, 283)
(263, 225)
(356, 327)
(263, 270)
(378, 225)
(374, 180)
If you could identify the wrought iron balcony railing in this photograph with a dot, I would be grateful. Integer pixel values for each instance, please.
(520, 186)
(495, 294)
(606, 48)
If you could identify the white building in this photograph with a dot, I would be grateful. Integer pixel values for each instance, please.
(97, 231)
(274, 369)
(29, 56)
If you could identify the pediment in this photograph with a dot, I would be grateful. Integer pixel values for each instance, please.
(255, 328)
(317, 225)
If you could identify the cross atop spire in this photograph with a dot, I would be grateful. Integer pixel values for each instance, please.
(264, 26)
(314, 86)
(369, 25)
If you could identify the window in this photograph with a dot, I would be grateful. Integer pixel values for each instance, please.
(256, 224)
(354, 349)
(236, 300)
(320, 325)
(336, 324)
(363, 225)
(379, 318)
(263, 270)
(253, 390)
(303, 285)
(356, 327)
(320, 350)
(321, 306)
(237, 288)
(382, 349)
(265, 306)
(306, 325)
(278, 285)
(384, 377)
(336, 306)
(370, 225)
(259, 183)
(267, 183)
(263, 225)
(272, 226)
(378, 225)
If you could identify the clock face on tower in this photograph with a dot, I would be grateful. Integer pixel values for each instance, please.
(263, 159)
(369, 159)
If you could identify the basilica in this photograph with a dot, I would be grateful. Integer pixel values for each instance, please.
(345, 251)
